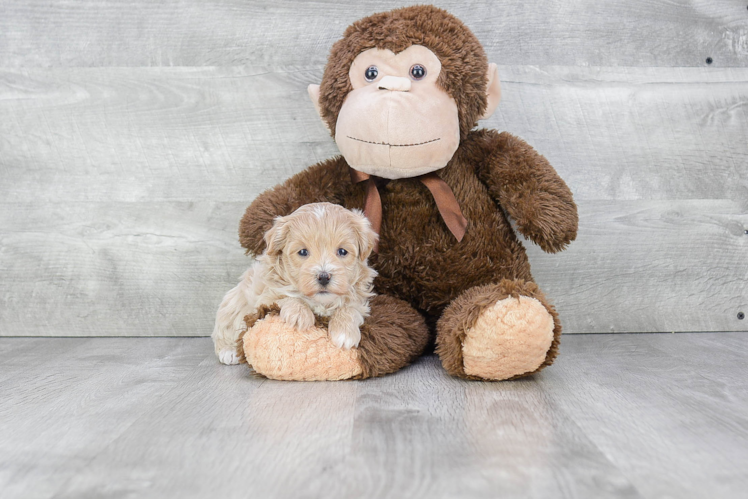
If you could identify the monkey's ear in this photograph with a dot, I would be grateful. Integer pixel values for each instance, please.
(275, 238)
(493, 90)
(314, 96)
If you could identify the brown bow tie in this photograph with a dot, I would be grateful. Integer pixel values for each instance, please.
(442, 193)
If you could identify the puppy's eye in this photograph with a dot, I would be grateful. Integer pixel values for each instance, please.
(342, 252)
(303, 252)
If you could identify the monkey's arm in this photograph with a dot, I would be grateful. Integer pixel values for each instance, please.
(326, 181)
(530, 190)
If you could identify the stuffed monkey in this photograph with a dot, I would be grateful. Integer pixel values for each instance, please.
(401, 94)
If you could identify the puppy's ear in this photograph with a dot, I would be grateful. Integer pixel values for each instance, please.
(275, 238)
(366, 238)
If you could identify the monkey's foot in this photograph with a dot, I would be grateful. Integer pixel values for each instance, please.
(510, 338)
(279, 351)
(498, 332)
(391, 337)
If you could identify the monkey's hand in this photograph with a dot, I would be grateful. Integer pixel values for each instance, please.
(326, 181)
(529, 189)
(345, 326)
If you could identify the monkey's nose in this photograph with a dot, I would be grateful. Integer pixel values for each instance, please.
(398, 83)
(323, 278)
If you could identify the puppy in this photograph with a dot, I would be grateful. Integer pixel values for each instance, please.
(314, 263)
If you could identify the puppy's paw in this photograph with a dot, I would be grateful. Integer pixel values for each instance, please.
(229, 356)
(344, 335)
(297, 315)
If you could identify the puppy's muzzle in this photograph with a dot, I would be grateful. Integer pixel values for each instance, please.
(324, 278)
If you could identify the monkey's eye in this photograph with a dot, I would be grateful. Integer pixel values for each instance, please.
(342, 252)
(303, 252)
(371, 73)
(417, 72)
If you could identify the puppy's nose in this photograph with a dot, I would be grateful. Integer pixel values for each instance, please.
(323, 278)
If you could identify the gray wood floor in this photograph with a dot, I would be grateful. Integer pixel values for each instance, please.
(649, 415)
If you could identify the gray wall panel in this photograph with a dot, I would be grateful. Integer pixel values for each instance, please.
(37, 33)
(650, 266)
(107, 269)
(122, 181)
(187, 134)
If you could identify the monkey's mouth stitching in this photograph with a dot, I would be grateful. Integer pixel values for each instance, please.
(394, 145)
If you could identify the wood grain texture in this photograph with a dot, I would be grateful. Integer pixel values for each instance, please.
(156, 269)
(697, 382)
(493, 450)
(107, 269)
(122, 190)
(73, 398)
(36, 33)
(133, 136)
(226, 134)
(622, 416)
(650, 266)
(120, 134)
(634, 133)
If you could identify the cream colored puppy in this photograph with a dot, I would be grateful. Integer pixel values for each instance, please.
(314, 263)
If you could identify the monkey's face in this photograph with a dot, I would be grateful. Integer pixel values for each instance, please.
(397, 122)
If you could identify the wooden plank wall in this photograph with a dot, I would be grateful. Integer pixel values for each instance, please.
(134, 134)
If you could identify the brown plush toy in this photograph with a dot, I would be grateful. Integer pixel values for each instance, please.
(401, 94)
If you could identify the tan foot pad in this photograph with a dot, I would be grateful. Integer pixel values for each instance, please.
(280, 352)
(510, 338)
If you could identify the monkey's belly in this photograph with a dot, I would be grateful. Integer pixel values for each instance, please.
(422, 262)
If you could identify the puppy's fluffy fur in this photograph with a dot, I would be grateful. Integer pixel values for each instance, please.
(314, 263)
